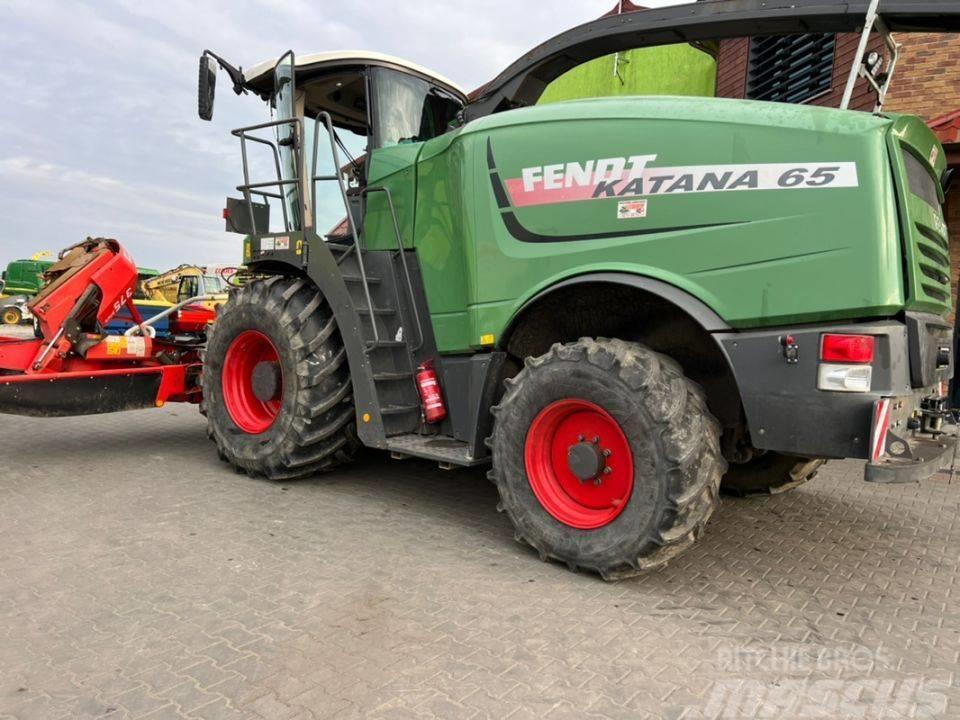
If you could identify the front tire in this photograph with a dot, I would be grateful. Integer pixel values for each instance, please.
(12, 316)
(606, 457)
(276, 385)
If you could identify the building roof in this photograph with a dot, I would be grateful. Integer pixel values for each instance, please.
(352, 57)
(624, 6)
(947, 127)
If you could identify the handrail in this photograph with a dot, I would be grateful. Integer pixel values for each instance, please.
(247, 186)
(270, 183)
(248, 189)
(403, 261)
(147, 324)
(861, 50)
(328, 124)
(265, 194)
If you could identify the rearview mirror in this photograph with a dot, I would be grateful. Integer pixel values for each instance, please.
(947, 179)
(206, 87)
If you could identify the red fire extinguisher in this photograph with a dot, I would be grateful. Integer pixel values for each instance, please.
(433, 408)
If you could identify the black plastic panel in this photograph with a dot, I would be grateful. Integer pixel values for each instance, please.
(86, 395)
(927, 335)
(787, 413)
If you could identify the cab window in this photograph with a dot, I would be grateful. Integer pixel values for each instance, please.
(408, 109)
(189, 287)
(213, 284)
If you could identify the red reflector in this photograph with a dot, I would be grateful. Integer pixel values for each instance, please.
(847, 348)
(226, 214)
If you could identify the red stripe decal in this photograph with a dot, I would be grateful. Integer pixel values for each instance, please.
(881, 424)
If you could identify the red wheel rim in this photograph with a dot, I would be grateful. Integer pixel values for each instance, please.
(563, 443)
(250, 413)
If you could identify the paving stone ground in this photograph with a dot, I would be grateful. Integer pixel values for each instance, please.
(140, 577)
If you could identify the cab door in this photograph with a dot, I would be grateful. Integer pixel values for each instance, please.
(289, 143)
(406, 111)
(189, 287)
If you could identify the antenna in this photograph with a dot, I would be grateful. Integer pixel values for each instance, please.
(616, 55)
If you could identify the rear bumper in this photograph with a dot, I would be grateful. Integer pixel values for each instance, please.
(924, 456)
(785, 412)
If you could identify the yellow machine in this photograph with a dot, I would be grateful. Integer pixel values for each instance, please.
(185, 282)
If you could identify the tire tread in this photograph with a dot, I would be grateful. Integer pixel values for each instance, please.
(688, 433)
(322, 433)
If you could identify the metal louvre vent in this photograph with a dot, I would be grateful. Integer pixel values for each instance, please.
(790, 68)
(931, 246)
(933, 262)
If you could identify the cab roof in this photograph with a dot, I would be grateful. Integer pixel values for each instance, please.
(260, 77)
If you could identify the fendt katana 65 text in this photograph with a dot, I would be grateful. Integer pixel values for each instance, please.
(621, 304)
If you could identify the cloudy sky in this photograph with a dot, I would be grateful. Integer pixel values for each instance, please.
(98, 127)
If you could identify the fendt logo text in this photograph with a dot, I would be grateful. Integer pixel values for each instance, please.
(633, 176)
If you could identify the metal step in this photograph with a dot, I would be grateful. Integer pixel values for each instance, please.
(343, 252)
(392, 376)
(358, 279)
(439, 448)
(383, 311)
(399, 409)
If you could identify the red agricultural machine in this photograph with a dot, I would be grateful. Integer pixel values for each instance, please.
(73, 367)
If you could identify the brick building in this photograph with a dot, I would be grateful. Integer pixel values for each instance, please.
(814, 70)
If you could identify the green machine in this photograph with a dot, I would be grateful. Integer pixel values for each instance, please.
(24, 277)
(670, 70)
(619, 304)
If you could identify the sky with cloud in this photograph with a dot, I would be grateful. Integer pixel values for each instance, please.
(98, 129)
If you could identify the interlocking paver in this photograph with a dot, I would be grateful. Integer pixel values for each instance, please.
(142, 578)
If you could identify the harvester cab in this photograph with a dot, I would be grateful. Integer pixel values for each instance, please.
(324, 104)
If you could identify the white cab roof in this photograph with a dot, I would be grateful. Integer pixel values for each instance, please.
(353, 57)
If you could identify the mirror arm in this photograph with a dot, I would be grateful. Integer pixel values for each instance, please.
(236, 74)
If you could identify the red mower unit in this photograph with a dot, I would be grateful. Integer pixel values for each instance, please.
(73, 367)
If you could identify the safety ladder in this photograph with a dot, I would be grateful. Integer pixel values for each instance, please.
(379, 301)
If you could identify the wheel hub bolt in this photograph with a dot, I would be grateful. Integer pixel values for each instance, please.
(267, 380)
(586, 462)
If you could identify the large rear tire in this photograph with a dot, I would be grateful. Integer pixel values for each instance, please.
(770, 474)
(606, 457)
(276, 384)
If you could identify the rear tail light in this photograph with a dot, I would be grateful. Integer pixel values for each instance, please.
(844, 378)
(845, 363)
(847, 348)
